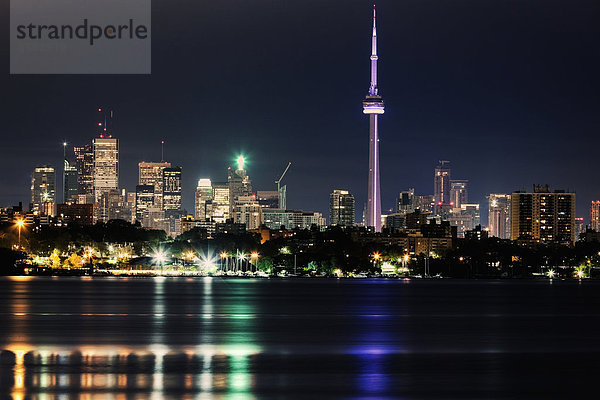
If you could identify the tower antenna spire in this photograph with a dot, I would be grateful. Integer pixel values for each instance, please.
(162, 151)
(373, 88)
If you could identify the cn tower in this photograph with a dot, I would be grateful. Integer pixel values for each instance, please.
(373, 106)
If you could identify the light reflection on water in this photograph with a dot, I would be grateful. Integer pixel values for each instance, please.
(215, 338)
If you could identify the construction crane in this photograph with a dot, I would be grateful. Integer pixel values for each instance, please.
(278, 181)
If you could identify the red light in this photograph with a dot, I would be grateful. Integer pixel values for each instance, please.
(99, 123)
(99, 110)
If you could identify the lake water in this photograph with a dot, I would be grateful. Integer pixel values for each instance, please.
(204, 338)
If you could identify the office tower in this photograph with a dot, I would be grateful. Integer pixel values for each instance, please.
(406, 201)
(203, 203)
(84, 159)
(248, 211)
(144, 201)
(373, 106)
(221, 202)
(114, 203)
(171, 197)
(151, 173)
(341, 208)
(458, 192)
(499, 215)
(69, 182)
(268, 198)
(238, 181)
(106, 166)
(43, 192)
(425, 203)
(543, 216)
(441, 183)
(595, 215)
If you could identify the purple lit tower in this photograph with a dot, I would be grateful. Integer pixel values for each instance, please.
(373, 106)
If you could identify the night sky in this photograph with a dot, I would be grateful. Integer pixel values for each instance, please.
(509, 91)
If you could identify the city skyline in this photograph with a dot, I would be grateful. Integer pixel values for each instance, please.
(246, 128)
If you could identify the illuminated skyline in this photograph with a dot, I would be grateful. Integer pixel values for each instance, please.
(477, 83)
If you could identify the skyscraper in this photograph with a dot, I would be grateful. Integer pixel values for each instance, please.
(595, 215)
(341, 208)
(543, 216)
(441, 183)
(458, 192)
(70, 182)
(238, 181)
(106, 166)
(204, 196)
(221, 204)
(144, 201)
(499, 215)
(84, 159)
(172, 192)
(43, 190)
(406, 201)
(151, 173)
(373, 106)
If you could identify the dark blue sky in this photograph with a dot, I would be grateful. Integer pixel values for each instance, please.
(509, 91)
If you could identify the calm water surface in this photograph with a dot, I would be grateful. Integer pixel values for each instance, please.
(201, 338)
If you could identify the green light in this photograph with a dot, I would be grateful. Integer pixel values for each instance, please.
(240, 162)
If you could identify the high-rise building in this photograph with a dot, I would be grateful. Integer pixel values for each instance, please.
(43, 190)
(499, 215)
(84, 159)
(341, 208)
(203, 203)
(441, 183)
(543, 216)
(238, 181)
(221, 202)
(373, 106)
(106, 166)
(171, 197)
(248, 212)
(144, 201)
(70, 182)
(406, 201)
(595, 215)
(458, 192)
(151, 173)
(268, 198)
(424, 203)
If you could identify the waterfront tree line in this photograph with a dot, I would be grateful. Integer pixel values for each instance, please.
(334, 251)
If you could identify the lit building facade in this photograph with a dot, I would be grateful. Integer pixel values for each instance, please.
(203, 200)
(84, 160)
(543, 216)
(441, 183)
(595, 215)
(276, 218)
(499, 215)
(43, 190)
(171, 197)
(221, 202)
(268, 198)
(458, 192)
(406, 201)
(70, 182)
(341, 208)
(238, 181)
(248, 212)
(144, 201)
(106, 166)
(151, 173)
